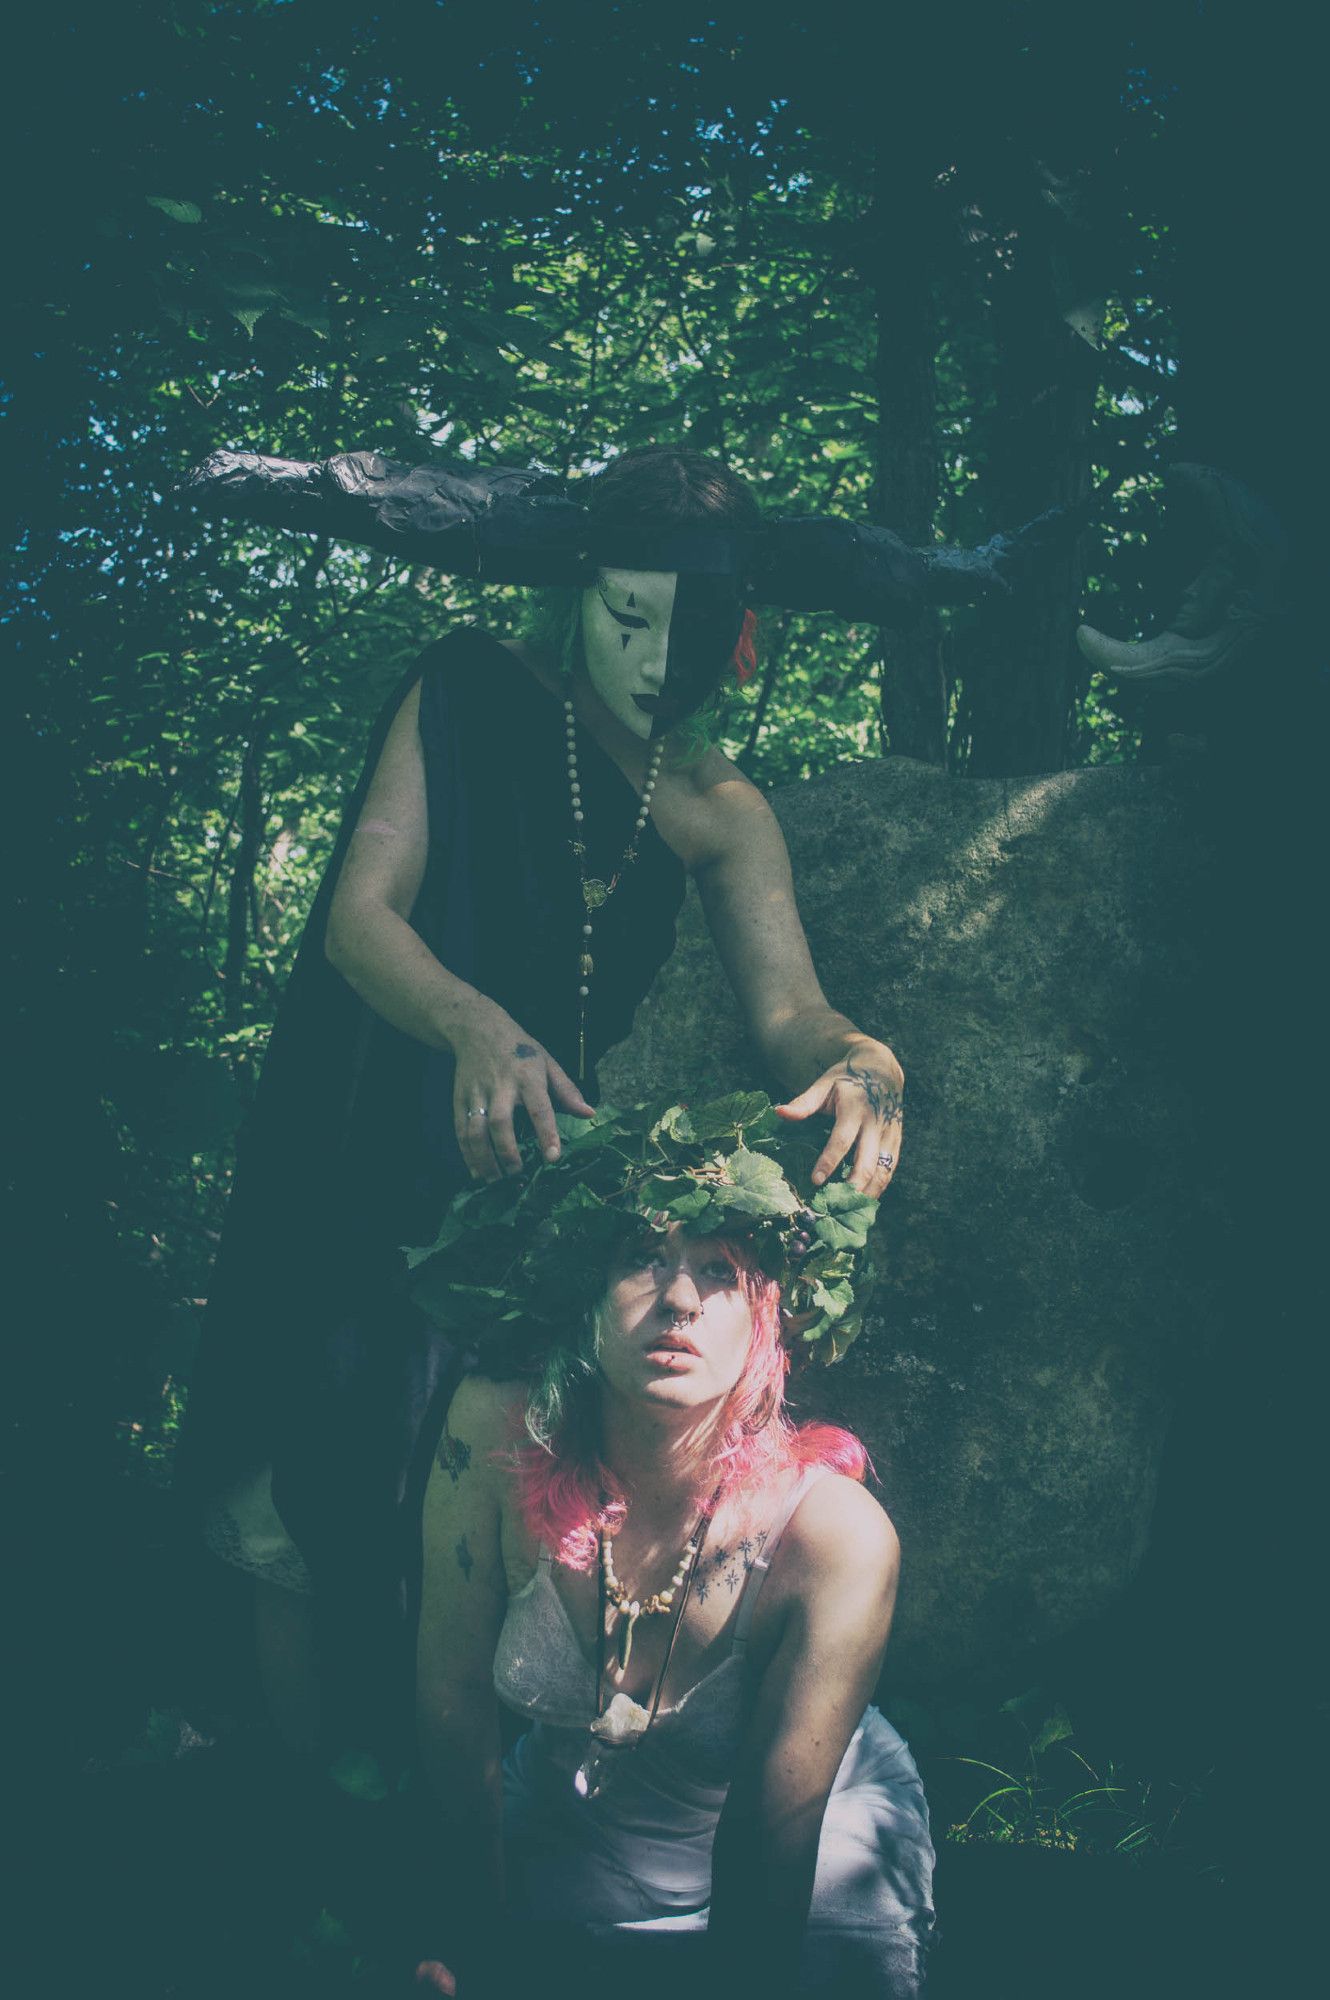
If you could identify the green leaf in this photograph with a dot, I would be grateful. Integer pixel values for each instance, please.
(571, 1128)
(676, 1123)
(317, 323)
(1056, 1728)
(725, 1116)
(677, 1194)
(834, 1299)
(575, 1203)
(249, 317)
(179, 211)
(694, 1204)
(755, 1185)
(842, 1216)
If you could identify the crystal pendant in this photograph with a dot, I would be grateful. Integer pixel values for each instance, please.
(588, 1776)
(594, 892)
(622, 1725)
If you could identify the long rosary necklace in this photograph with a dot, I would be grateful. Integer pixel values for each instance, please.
(595, 892)
(625, 1722)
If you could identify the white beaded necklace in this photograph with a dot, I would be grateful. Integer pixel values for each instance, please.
(594, 891)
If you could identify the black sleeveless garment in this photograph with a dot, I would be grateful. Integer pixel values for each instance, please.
(313, 1358)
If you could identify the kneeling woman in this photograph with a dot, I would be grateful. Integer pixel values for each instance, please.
(689, 1598)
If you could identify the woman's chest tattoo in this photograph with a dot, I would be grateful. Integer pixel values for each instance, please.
(726, 1568)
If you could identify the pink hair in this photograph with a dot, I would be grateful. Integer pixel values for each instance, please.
(567, 1496)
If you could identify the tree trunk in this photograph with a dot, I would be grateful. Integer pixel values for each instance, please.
(914, 705)
(1019, 700)
(250, 821)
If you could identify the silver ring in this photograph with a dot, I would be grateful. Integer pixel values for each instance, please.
(482, 1113)
(885, 1160)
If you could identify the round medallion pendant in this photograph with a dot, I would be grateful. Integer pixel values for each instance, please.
(594, 893)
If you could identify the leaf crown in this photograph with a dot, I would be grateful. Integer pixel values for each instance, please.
(519, 1263)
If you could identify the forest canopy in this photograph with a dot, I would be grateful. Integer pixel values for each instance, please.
(881, 278)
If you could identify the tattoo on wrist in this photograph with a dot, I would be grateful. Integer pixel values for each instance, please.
(882, 1098)
(466, 1562)
(452, 1457)
(526, 1050)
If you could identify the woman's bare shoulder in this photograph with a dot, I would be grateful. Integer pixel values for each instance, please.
(838, 1527)
(724, 812)
(484, 1413)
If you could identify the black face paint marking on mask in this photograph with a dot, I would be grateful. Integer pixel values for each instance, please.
(622, 617)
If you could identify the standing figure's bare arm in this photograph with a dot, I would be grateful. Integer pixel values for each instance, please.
(372, 944)
(743, 876)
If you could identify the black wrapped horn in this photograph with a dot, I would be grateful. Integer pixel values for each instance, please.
(505, 524)
(502, 523)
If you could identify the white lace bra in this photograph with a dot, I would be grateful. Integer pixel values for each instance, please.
(541, 1671)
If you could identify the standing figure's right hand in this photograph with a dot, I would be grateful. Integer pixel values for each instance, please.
(498, 1068)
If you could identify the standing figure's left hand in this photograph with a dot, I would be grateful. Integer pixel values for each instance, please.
(864, 1093)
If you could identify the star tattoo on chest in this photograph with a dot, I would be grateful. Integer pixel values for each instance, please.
(729, 1566)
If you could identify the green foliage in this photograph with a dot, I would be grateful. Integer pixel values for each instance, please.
(310, 236)
(1018, 1775)
(518, 1264)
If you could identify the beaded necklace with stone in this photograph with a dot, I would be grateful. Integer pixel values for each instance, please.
(595, 892)
(631, 1608)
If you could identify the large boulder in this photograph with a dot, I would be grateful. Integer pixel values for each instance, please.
(1050, 1242)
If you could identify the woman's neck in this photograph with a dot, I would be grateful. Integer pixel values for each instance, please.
(629, 751)
(662, 1458)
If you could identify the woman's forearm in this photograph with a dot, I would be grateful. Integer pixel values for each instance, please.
(393, 970)
(461, 1764)
(805, 1044)
(761, 1887)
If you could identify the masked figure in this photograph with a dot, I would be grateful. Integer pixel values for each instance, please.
(501, 895)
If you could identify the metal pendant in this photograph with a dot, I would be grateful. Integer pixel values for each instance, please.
(594, 892)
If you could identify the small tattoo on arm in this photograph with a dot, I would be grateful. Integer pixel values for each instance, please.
(466, 1562)
(452, 1457)
(525, 1050)
(882, 1098)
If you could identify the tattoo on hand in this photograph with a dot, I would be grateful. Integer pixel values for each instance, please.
(526, 1050)
(452, 1457)
(882, 1098)
(466, 1562)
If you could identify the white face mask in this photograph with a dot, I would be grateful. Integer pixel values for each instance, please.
(626, 636)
